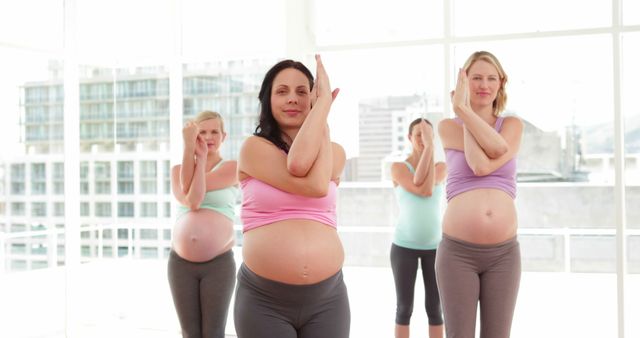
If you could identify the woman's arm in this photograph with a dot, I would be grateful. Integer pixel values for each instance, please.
(176, 188)
(401, 175)
(262, 160)
(476, 157)
(440, 172)
(339, 159)
(450, 134)
(221, 178)
(425, 162)
(305, 147)
(189, 136)
(225, 176)
(198, 186)
(422, 181)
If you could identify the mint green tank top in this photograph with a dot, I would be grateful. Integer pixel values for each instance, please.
(420, 218)
(220, 200)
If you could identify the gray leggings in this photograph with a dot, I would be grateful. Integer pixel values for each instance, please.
(265, 308)
(202, 293)
(469, 273)
(404, 265)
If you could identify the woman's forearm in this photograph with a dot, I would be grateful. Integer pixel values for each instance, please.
(187, 168)
(424, 164)
(487, 138)
(198, 186)
(475, 156)
(304, 149)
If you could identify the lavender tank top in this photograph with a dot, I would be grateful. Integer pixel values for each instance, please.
(460, 177)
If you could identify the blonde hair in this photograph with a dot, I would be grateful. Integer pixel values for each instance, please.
(500, 102)
(208, 115)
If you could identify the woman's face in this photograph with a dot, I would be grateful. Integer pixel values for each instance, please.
(484, 83)
(290, 98)
(211, 132)
(416, 136)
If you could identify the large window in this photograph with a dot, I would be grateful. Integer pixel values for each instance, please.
(144, 67)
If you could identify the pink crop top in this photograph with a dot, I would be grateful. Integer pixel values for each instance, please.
(461, 178)
(264, 204)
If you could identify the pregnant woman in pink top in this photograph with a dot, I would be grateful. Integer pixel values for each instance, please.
(290, 284)
(478, 259)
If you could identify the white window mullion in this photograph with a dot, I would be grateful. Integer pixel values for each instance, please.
(619, 156)
(72, 167)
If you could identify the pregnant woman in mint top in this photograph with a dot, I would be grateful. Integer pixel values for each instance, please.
(478, 259)
(290, 283)
(418, 186)
(201, 266)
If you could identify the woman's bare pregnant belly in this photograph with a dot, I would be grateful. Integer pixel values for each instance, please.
(482, 216)
(293, 251)
(201, 235)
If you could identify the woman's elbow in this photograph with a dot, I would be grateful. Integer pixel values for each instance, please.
(298, 169)
(497, 151)
(480, 170)
(193, 206)
(426, 193)
(319, 191)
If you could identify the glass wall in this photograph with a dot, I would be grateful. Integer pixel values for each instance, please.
(393, 61)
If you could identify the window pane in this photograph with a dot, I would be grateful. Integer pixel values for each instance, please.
(17, 179)
(631, 12)
(18, 209)
(125, 177)
(125, 209)
(409, 89)
(21, 24)
(229, 88)
(363, 21)
(149, 209)
(142, 29)
(103, 209)
(58, 178)
(486, 17)
(38, 179)
(38, 209)
(203, 37)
